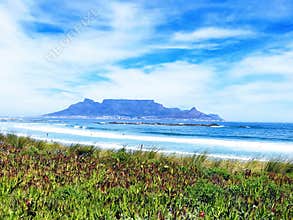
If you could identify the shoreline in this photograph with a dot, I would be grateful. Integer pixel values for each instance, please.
(140, 147)
(244, 145)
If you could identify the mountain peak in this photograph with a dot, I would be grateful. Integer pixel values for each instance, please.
(88, 100)
(193, 109)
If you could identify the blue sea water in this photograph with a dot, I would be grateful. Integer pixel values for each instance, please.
(232, 140)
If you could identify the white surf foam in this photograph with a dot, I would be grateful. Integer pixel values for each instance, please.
(217, 126)
(115, 146)
(250, 146)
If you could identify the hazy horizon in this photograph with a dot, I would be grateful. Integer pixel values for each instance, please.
(37, 116)
(232, 58)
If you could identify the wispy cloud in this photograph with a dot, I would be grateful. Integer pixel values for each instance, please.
(279, 63)
(165, 82)
(211, 33)
(55, 52)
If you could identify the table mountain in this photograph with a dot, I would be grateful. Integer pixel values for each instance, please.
(131, 109)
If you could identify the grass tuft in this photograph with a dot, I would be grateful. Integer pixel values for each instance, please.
(278, 167)
(81, 150)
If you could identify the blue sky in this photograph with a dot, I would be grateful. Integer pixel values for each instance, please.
(232, 57)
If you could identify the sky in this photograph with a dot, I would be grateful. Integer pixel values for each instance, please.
(233, 57)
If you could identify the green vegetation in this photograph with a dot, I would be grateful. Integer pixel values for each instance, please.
(40, 180)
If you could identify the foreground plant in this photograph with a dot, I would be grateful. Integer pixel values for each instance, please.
(40, 180)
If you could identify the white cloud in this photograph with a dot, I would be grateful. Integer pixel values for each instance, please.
(188, 46)
(264, 98)
(280, 63)
(165, 83)
(210, 33)
(257, 101)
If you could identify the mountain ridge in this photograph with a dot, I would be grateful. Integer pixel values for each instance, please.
(131, 108)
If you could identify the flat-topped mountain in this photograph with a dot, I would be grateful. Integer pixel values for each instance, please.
(131, 109)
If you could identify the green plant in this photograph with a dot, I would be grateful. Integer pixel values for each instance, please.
(278, 167)
(81, 150)
(44, 180)
(198, 160)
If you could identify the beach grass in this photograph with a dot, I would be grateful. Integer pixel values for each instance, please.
(44, 180)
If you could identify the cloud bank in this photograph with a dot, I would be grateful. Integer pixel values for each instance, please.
(239, 66)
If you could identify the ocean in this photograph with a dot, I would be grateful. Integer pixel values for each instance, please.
(227, 140)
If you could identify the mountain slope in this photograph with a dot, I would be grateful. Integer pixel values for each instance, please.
(131, 108)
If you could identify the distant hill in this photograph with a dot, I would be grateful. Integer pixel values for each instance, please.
(131, 109)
